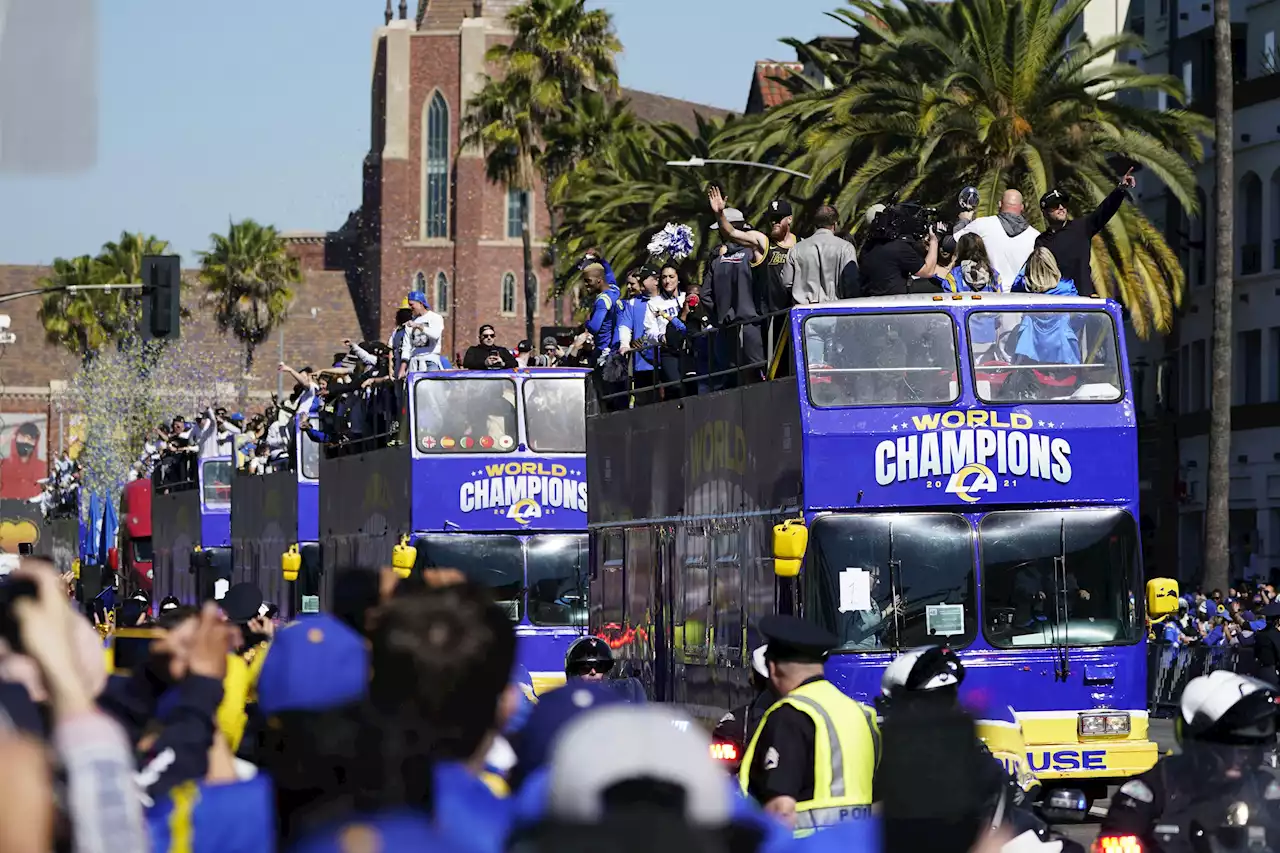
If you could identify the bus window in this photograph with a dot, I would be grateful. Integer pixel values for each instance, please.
(217, 482)
(1045, 356)
(465, 415)
(310, 456)
(493, 561)
(557, 580)
(727, 628)
(610, 584)
(142, 550)
(693, 599)
(553, 412)
(881, 359)
(884, 581)
(1070, 577)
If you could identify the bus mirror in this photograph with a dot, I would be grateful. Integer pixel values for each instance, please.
(113, 559)
(291, 562)
(403, 557)
(1162, 596)
(790, 538)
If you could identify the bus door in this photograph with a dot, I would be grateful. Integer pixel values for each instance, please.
(662, 596)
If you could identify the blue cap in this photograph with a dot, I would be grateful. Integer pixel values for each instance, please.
(553, 712)
(1258, 624)
(236, 416)
(419, 296)
(315, 664)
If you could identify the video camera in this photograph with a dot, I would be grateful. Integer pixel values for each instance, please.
(900, 221)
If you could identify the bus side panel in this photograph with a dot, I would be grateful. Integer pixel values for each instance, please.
(365, 507)
(264, 521)
(308, 513)
(175, 532)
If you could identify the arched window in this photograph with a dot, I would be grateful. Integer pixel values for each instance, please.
(1250, 196)
(1275, 218)
(420, 282)
(436, 168)
(442, 293)
(509, 293)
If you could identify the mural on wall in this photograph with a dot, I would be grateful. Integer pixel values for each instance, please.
(24, 459)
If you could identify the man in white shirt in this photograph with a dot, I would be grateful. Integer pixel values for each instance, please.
(1008, 237)
(421, 346)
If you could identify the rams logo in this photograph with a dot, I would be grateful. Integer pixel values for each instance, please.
(524, 511)
(969, 479)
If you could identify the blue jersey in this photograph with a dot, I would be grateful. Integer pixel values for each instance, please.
(468, 812)
(632, 318)
(603, 322)
(238, 817)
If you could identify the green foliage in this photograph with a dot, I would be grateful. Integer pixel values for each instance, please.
(83, 323)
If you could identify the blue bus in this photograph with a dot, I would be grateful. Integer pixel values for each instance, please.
(956, 469)
(269, 514)
(191, 531)
(491, 481)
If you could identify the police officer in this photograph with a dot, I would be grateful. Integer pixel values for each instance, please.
(1266, 646)
(589, 658)
(738, 726)
(1226, 725)
(812, 761)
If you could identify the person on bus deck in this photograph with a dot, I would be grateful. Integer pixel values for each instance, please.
(1071, 240)
(487, 355)
(631, 331)
(1047, 338)
(972, 271)
(791, 767)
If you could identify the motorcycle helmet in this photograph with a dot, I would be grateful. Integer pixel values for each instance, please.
(927, 671)
(587, 655)
(757, 662)
(1227, 708)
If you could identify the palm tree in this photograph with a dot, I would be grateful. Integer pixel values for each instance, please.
(84, 322)
(246, 275)
(991, 94)
(561, 50)
(1217, 516)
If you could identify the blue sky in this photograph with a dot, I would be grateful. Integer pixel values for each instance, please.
(246, 108)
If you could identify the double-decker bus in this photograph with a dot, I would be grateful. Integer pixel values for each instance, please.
(491, 482)
(269, 514)
(191, 530)
(958, 470)
(134, 557)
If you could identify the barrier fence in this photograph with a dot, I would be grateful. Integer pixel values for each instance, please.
(1170, 667)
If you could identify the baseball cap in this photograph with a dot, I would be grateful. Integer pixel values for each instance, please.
(779, 209)
(1053, 198)
(549, 341)
(315, 664)
(242, 602)
(524, 346)
(554, 711)
(419, 297)
(645, 747)
(734, 217)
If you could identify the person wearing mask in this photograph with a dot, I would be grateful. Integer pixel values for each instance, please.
(790, 767)
(487, 355)
(1008, 237)
(728, 292)
(821, 267)
(1071, 240)
(420, 348)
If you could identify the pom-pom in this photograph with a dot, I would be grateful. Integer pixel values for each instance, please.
(675, 242)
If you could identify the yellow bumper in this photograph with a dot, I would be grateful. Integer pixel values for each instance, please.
(1054, 750)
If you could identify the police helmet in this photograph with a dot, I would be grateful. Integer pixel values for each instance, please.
(1227, 708)
(758, 663)
(588, 653)
(927, 668)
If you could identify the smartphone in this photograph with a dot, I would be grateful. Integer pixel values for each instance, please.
(130, 648)
(11, 591)
(26, 549)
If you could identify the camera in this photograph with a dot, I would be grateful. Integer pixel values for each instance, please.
(903, 221)
(26, 549)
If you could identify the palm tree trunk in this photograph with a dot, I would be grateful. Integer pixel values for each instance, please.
(1217, 516)
(552, 227)
(530, 283)
(243, 395)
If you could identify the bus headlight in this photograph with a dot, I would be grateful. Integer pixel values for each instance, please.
(1104, 724)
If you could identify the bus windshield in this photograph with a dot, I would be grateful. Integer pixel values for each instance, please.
(882, 581)
(309, 455)
(1045, 356)
(881, 359)
(558, 579)
(493, 561)
(465, 415)
(1067, 577)
(554, 415)
(216, 475)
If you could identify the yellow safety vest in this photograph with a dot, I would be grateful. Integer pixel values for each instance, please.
(846, 754)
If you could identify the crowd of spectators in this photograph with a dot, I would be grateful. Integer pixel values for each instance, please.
(1216, 619)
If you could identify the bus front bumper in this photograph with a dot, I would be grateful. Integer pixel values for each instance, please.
(1118, 759)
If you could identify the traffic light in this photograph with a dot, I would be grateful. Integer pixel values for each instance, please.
(161, 288)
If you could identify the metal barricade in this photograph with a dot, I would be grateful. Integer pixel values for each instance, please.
(1170, 667)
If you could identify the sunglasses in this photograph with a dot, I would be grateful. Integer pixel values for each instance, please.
(594, 667)
(487, 335)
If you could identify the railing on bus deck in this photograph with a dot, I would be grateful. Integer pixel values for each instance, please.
(716, 361)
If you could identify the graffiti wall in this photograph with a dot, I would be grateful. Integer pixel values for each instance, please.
(24, 455)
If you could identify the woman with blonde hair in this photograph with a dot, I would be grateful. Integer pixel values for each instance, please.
(1041, 275)
(1046, 337)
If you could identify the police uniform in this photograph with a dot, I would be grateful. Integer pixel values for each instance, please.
(815, 745)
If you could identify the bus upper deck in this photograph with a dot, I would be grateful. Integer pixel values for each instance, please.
(191, 529)
(948, 469)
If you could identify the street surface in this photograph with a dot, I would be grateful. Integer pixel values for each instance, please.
(1084, 833)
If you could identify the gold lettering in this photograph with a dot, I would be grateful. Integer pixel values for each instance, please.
(952, 419)
(978, 417)
(1021, 421)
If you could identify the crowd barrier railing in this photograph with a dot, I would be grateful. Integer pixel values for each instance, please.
(1170, 667)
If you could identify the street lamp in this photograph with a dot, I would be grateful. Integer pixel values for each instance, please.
(699, 162)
